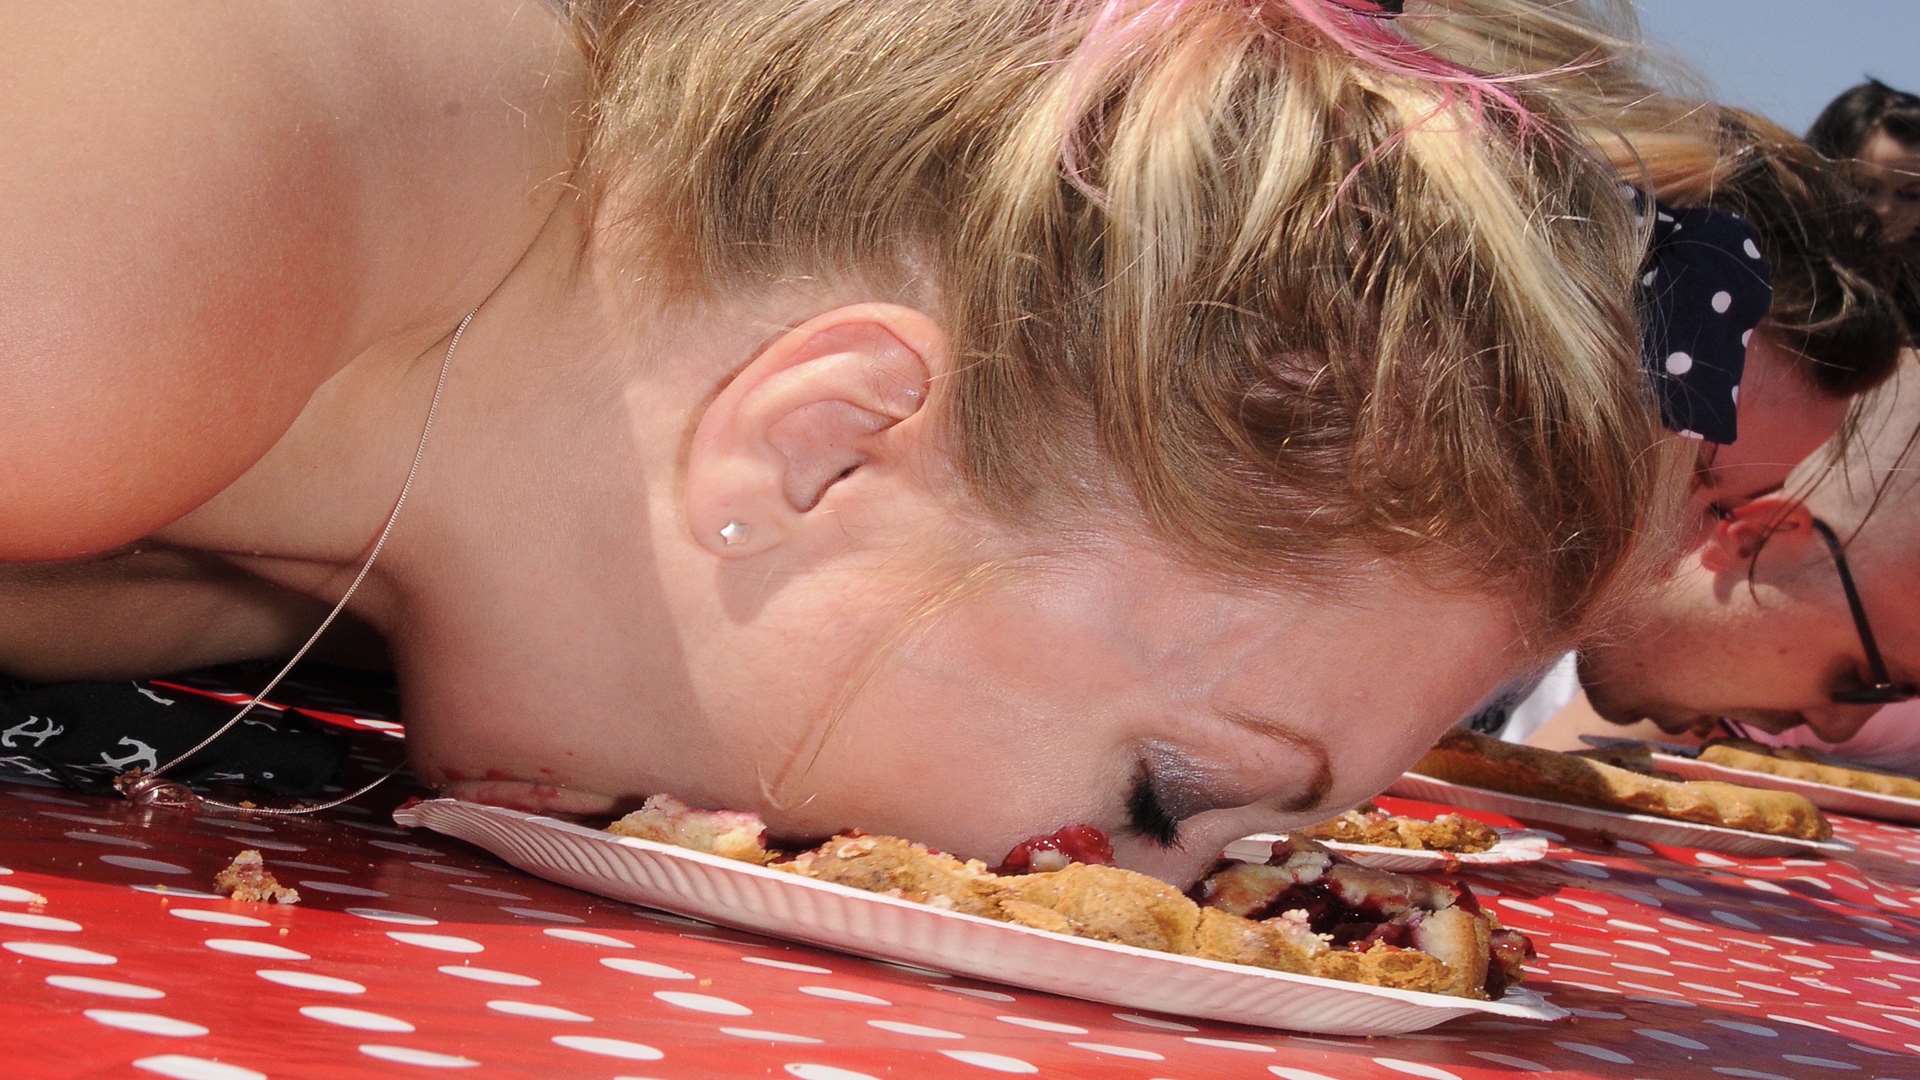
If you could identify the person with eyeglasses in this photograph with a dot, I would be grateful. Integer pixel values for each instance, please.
(1831, 331)
(1890, 738)
(1796, 614)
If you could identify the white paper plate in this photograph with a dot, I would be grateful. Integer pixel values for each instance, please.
(836, 917)
(1825, 796)
(1514, 846)
(1643, 827)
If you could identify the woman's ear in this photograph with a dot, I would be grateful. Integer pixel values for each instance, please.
(1769, 520)
(815, 407)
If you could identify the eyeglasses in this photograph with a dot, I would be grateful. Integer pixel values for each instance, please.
(1881, 690)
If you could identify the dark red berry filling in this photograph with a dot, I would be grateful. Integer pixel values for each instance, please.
(1076, 843)
(1511, 949)
(1353, 906)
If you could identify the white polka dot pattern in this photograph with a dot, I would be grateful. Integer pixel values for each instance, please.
(537, 1011)
(991, 1062)
(916, 1030)
(405, 918)
(1042, 1025)
(645, 968)
(586, 937)
(760, 1035)
(809, 1071)
(105, 987)
(260, 950)
(184, 1067)
(149, 866)
(438, 942)
(145, 1023)
(57, 953)
(307, 980)
(1415, 1068)
(786, 965)
(1111, 1050)
(358, 1019)
(615, 1048)
(406, 1055)
(28, 921)
(487, 975)
(706, 1003)
(221, 918)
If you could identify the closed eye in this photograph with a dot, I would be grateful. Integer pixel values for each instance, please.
(1146, 816)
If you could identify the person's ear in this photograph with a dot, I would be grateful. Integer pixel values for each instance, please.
(815, 407)
(1767, 521)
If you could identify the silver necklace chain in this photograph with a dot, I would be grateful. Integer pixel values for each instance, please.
(148, 788)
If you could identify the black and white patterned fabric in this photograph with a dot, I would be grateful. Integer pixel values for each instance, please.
(81, 735)
(1703, 288)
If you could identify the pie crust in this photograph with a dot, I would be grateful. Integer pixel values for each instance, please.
(1468, 758)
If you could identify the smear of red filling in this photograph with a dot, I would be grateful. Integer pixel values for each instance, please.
(1080, 843)
(1510, 949)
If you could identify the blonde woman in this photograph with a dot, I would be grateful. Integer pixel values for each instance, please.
(959, 420)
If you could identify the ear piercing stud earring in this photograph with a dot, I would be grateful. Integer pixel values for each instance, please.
(734, 533)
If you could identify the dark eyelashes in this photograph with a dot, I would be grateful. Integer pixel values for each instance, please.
(1146, 817)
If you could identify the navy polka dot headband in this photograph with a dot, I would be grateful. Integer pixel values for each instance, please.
(1703, 288)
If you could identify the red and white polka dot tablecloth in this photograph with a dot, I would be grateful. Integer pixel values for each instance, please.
(411, 954)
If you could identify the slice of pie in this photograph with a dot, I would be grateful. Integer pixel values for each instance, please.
(728, 833)
(1467, 758)
(1754, 757)
(896, 867)
(1360, 910)
(1452, 833)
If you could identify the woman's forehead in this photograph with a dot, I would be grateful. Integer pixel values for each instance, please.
(1885, 154)
(1366, 623)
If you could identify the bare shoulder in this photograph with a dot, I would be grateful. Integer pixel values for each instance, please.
(208, 208)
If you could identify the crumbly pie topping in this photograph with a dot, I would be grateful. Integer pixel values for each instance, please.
(1306, 911)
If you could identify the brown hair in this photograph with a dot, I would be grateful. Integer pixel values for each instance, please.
(1842, 129)
(1260, 274)
(1834, 285)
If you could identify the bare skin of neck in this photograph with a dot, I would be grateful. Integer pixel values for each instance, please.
(485, 571)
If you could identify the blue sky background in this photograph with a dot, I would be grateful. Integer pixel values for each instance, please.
(1788, 58)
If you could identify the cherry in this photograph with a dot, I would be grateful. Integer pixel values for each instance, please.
(1075, 843)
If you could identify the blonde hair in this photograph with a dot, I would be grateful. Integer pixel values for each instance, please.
(1257, 273)
(1877, 481)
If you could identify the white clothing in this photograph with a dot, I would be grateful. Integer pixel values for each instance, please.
(1890, 739)
(1560, 685)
